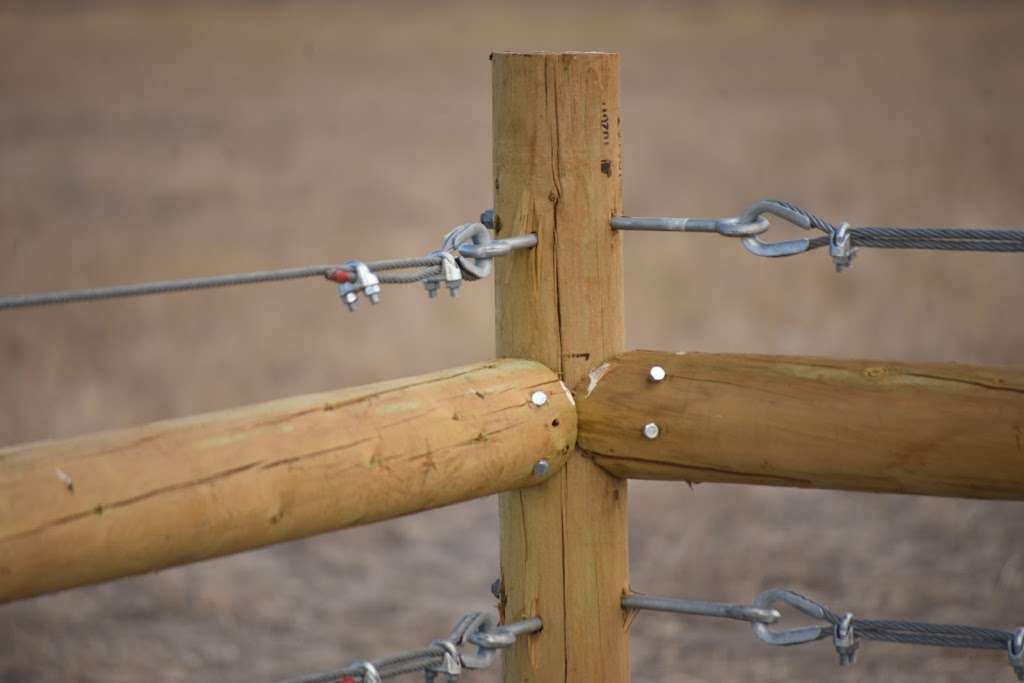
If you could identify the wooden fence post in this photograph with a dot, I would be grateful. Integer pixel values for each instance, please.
(564, 548)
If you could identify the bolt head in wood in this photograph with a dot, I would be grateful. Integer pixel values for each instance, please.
(539, 398)
(541, 468)
(651, 430)
(656, 374)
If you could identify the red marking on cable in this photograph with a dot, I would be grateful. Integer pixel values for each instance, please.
(340, 276)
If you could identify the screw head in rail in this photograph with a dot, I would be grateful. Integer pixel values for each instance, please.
(656, 373)
(540, 468)
(538, 398)
(651, 430)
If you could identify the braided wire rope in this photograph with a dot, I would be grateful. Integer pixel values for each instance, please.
(942, 239)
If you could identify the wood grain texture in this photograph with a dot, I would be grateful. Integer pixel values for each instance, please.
(134, 500)
(557, 173)
(921, 428)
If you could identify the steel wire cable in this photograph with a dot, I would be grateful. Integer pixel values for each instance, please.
(842, 240)
(448, 265)
(845, 629)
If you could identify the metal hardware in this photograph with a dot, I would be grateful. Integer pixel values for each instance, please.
(846, 630)
(728, 227)
(487, 218)
(776, 249)
(538, 398)
(367, 281)
(724, 610)
(656, 373)
(469, 235)
(841, 249)
(451, 272)
(1015, 651)
(504, 636)
(368, 672)
(431, 285)
(501, 247)
(845, 640)
(349, 293)
(451, 663)
(651, 430)
(792, 636)
(363, 281)
(540, 468)
(477, 622)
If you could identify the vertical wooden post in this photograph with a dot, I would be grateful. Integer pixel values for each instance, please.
(564, 547)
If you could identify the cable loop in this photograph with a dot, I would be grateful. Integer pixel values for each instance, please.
(476, 265)
(791, 636)
(790, 213)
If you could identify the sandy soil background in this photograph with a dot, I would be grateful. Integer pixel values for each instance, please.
(146, 142)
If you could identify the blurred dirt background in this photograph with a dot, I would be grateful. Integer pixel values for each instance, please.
(150, 141)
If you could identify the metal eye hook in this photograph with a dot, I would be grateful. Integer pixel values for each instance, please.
(474, 262)
(791, 636)
(728, 227)
(775, 249)
(484, 657)
(505, 635)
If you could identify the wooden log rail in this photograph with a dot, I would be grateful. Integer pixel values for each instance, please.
(932, 429)
(112, 504)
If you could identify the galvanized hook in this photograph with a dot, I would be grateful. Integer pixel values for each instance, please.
(791, 636)
(728, 227)
(775, 249)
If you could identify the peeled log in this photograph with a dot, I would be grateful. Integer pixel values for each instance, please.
(116, 503)
(924, 428)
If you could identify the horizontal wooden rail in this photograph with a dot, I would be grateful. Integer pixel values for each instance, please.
(933, 429)
(107, 505)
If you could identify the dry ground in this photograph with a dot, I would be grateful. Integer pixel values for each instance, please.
(150, 142)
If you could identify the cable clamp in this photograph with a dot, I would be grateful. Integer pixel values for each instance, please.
(362, 280)
(451, 663)
(845, 640)
(450, 274)
(841, 248)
